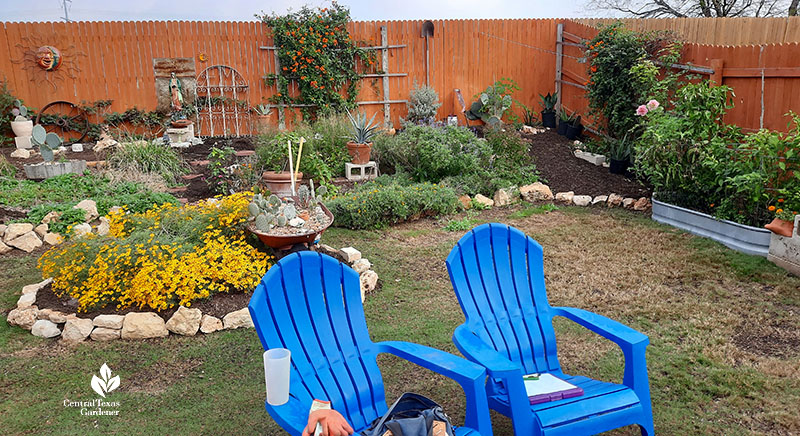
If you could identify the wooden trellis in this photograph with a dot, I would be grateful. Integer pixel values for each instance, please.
(386, 101)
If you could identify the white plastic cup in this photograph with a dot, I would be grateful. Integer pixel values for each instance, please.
(277, 365)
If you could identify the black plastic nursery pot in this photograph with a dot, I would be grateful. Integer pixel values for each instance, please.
(574, 131)
(562, 127)
(549, 119)
(619, 166)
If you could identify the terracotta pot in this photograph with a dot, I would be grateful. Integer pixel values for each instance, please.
(359, 153)
(180, 124)
(781, 227)
(262, 123)
(22, 128)
(280, 183)
(285, 242)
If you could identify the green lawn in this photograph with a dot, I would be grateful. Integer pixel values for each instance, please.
(724, 330)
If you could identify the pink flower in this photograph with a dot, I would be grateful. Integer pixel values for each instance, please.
(641, 111)
(653, 104)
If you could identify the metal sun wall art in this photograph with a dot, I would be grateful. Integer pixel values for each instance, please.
(46, 63)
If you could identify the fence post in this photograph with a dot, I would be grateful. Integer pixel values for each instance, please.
(716, 77)
(385, 68)
(559, 54)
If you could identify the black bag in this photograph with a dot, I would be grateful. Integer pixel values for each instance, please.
(412, 415)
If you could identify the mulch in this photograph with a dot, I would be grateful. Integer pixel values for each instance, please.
(197, 188)
(218, 306)
(563, 172)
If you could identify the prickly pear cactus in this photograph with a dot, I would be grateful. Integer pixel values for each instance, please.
(289, 211)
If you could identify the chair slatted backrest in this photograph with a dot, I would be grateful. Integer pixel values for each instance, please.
(310, 303)
(497, 273)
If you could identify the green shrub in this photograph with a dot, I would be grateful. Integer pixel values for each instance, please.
(149, 157)
(696, 161)
(7, 169)
(7, 100)
(374, 205)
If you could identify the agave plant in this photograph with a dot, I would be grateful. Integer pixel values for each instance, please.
(362, 131)
(549, 101)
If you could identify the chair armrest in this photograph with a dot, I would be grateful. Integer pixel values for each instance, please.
(608, 328)
(470, 376)
(292, 416)
(476, 350)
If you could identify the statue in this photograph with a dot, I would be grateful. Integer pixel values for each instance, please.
(176, 89)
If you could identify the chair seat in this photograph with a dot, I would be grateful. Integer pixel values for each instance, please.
(602, 407)
(460, 431)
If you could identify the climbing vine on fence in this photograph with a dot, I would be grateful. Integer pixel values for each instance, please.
(318, 53)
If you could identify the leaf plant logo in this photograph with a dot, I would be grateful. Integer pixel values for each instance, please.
(105, 383)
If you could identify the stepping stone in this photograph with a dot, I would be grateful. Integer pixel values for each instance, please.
(200, 163)
(191, 176)
(177, 189)
(243, 153)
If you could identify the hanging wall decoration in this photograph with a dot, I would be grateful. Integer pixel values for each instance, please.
(45, 63)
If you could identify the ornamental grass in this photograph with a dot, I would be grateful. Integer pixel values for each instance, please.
(163, 257)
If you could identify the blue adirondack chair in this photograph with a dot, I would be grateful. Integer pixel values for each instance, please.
(496, 271)
(310, 303)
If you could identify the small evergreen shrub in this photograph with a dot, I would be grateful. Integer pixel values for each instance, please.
(422, 104)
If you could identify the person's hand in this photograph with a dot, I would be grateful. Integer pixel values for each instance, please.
(332, 422)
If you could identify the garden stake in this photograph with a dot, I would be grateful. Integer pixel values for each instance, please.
(291, 173)
(299, 153)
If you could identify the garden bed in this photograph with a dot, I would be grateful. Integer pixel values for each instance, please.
(564, 172)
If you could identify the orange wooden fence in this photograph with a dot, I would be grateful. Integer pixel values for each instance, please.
(765, 78)
(114, 60)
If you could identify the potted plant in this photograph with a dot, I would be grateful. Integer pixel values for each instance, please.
(362, 132)
(48, 144)
(620, 154)
(785, 209)
(549, 109)
(563, 121)
(574, 128)
(263, 113)
(22, 126)
(281, 224)
(280, 181)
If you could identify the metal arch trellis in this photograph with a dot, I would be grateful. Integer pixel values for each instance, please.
(222, 101)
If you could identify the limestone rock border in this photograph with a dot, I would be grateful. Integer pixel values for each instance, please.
(50, 323)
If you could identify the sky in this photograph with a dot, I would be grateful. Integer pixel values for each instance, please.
(243, 10)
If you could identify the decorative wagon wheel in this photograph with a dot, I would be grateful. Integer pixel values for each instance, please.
(67, 120)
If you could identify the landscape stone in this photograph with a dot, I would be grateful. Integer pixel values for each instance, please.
(361, 265)
(614, 200)
(482, 199)
(349, 254)
(536, 192)
(628, 202)
(582, 200)
(210, 324)
(27, 242)
(16, 230)
(600, 199)
(4, 248)
(102, 334)
(565, 197)
(465, 201)
(24, 318)
(90, 207)
(3, 228)
(369, 280)
(642, 204)
(45, 329)
(36, 287)
(41, 229)
(108, 321)
(236, 319)
(143, 325)
(118, 209)
(327, 249)
(506, 196)
(50, 217)
(26, 300)
(185, 321)
(81, 230)
(104, 227)
(21, 153)
(77, 147)
(77, 329)
(53, 238)
(297, 222)
(57, 317)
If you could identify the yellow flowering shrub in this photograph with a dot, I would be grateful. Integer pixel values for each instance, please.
(163, 257)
